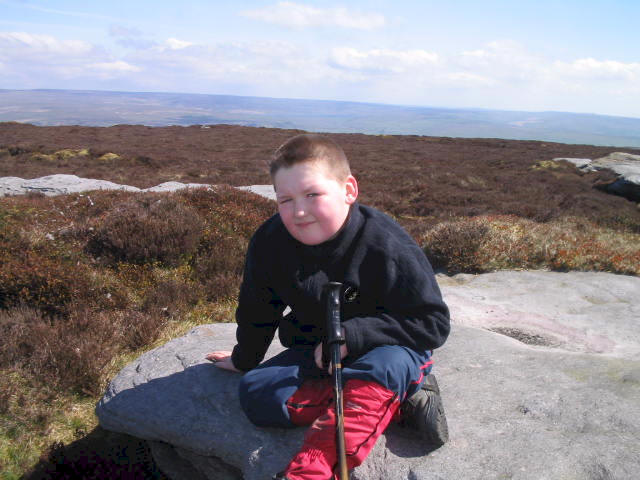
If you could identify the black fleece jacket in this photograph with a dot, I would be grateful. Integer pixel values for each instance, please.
(391, 295)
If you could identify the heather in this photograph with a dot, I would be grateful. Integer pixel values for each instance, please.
(90, 281)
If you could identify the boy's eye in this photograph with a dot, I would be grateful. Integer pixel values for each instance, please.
(313, 194)
(285, 200)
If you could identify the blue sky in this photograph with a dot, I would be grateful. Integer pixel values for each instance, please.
(576, 56)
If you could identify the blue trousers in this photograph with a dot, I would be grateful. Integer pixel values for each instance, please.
(265, 390)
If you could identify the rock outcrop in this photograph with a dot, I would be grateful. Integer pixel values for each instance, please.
(540, 379)
(625, 166)
(60, 184)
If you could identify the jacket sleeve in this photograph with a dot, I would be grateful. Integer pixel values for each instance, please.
(410, 313)
(258, 314)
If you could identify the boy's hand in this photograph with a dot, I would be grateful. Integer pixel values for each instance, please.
(317, 354)
(222, 359)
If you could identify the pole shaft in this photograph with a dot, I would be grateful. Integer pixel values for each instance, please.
(335, 338)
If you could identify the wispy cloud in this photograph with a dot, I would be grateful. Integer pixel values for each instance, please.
(295, 15)
(114, 67)
(116, 30)
(130, 37)
(68, 13)
(600, 69)
(382, 60)
(16, 44)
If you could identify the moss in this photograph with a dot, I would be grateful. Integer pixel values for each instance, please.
(109, 157)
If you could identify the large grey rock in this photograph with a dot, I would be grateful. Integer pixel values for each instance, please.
(540, 379)
(57, 185)
(60, 184)
(625, 166)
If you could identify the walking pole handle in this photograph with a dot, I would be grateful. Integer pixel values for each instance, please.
(334, 339)
(334, 330)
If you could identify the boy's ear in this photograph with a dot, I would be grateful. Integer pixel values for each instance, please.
(351, 186)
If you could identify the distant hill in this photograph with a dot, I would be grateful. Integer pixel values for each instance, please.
(99, 108)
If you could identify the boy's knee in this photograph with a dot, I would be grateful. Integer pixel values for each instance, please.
(249, 400)
(394, 367)
(262, 406)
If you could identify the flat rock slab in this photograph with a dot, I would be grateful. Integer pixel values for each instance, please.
(60, 184)
(517, 408)
(57, 185)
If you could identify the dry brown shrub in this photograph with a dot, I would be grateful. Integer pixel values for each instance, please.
(229, 209)
(67, 354)
(232, 216)
(218, 266)
(49, 284)
(511, 242)
(170, 297)
(140, 328)
(71, 353)
(145, 229)
(455, 246)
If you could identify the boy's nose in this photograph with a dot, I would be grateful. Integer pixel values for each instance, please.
(299, 209)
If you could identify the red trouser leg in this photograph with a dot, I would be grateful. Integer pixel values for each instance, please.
(310, 401)
(368, 409)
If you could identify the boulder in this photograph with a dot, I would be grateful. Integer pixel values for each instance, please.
(625, 166)
(540, 378)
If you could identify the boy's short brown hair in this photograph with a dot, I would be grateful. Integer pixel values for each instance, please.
(310, 147)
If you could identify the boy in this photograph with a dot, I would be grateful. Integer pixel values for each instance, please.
(392, 314)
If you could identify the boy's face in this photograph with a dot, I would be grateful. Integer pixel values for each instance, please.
(312, 203)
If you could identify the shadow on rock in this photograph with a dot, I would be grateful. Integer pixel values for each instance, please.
(407, 444)
(100, 454)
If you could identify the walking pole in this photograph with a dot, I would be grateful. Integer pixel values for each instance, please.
(335, 338)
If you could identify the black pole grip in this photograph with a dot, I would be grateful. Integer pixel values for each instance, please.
(334, 330)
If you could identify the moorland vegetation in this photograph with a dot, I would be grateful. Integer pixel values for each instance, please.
(89, 281)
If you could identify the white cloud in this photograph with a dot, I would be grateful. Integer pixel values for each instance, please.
(114, 67)
(382, 60)
(175, 44)
(586, 68)
(503, 60)
(44, 61)
(295, 15)
(15, 43)
(242, 62)
(469, 79)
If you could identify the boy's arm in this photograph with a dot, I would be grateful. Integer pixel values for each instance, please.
(412, 312)
(258, 313)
